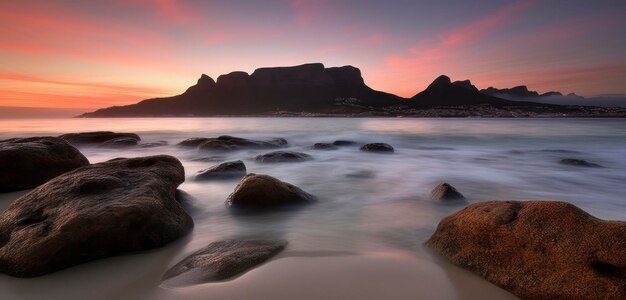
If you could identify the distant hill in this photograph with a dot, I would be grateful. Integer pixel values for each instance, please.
(521, 93)
(12, 112)
(313, 90)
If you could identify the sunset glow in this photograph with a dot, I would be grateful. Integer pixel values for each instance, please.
(93, 54)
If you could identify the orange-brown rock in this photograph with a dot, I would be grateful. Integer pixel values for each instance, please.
(537, 249)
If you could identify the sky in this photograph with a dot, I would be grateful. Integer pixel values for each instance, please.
(90, 54)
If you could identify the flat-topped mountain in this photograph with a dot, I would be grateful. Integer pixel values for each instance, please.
(520, 91)
(314, 90)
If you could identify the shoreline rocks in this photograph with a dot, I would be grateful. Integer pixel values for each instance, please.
(226, 170)
(537, 249)
(377, 147)
(283, 156)
(30, 162)
(446, 192)
(231, 143)
(105, 209)
(102, 138)
(264, 191)
(222, 260)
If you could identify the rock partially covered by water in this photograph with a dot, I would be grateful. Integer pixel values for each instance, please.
(537, 249)
(344, 143)
(120, 142)
(226, 170)
(105, 209)
(229, 143)
(377, 147)
(29, 162)
(446, 192)
(222, 260)
(263, 191)
(97, 137)
(193, 142)
(283, 156)
(154, 144)
(324, 146)
(578, 163)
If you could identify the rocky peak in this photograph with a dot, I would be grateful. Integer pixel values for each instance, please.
(441, 82)
(466, 84)
(236, 78)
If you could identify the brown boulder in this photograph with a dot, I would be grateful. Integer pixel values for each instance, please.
(29, 162)
(260, 191)
(229, 143)
(377, 147)
(226, 170)
(96, 137)
(537, 249)
(105, 209)
(446, 192)
(222, 260)
(283, 156)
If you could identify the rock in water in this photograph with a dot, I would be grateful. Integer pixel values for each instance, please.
(537, 249)
(578, 163)
(377, 147)
(105, 209)
(120, 142)
(444, 191)
(29, 162)
(344, 143)
(324, 146)
(97, 137)
(227, 170)
(229, 143)
(263, 191)
(283, 156)
(222, 260)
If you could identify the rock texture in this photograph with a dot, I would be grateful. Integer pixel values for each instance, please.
(578, 163)
(263, 191)
(226, 170)
(283, 156)
(98, 137)
(377, 147)
(105, 209)
(537, 249)
(120, 142)
(222, 260)
(29, 162)
(228, 143)
(446, 192)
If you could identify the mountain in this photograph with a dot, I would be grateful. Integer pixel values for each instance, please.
(308, 88)
(521, 93)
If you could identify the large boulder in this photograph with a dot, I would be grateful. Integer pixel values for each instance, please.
(29, 162)
(537, 249)
(377, 147)
(229, 143)
(226, 170)
(446, 192)
(97, 137)
(283, 156)
(105, 209)
(262, 191)
(222, 260)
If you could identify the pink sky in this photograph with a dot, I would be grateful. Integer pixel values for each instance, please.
(92, 54)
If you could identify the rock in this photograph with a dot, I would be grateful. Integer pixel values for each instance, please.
(361, 174)
(261, 191)
(227, 143)
(537, 249)
(578, 163)
(445, 192)
(154, 144)
(96, 137)
(227, 170)
(222, 260)
(283, 156)
(105, 209)
(120, 142)
(29, 162)
(344, 143)
(377, 147)
(324, 146)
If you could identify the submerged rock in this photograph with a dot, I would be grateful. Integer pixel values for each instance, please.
(445, 192)
(120, 142)
(361, 174)
(154, 144)
(377, 147)
(262, 191)
(97, 137)
(324, 146)
(105, 209)
(227, 170)
(228, 143)
(222, 260)
(537, 249)
(344, 143)
(283, 156)
(193, 142)
(578, 163)
(30, 162)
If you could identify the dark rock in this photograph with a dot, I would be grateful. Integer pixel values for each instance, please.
(96, 137)
(120, 142)
(193, 142)
(261, 191)
(154, 144)
(578, 163)
(222, 260)
(344, 143)
(445, 192)
(537, 249)
(362, 174)
(283, 156)
(228, 143)
(324, 146)
(227, 170)
(377, 147)
(29, 162)
(105, 209)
